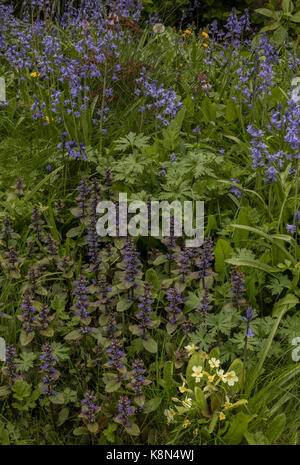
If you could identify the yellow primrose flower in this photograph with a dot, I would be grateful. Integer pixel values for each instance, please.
(211, 378)
(214, 363)
(222, 416)
(186, 423)
(187, 402)
(231, 378)
(34, 74)
(170, 414)
(187, 31)
(191, 349)
(197, 373)
(227, 403)
(221, 375)
(182, 388)
(204, 34)
(205, 45)
(195, 432)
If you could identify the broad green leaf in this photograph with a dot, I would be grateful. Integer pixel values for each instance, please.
(265, 12)
(133, 430)
(223, 251)
(238, 428)
(150, 345)
(200, 398)
(123, 305)
(240, 236)
(152, 404)
(276, 428)
(152, 277)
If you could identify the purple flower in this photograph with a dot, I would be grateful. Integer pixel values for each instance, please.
(291, 228)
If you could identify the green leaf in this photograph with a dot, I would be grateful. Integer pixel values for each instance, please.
(213, 422)
(74, 232)
(26, 361)
(21, 390)
(80, 431)
(63, 416)
(296, 17)
(287, 6)
(112, 386)
(209, 110)
(253, 264)
(123, 305)
(133, 430)
(279, 35)
(231, 113)
(237, 367)
(93, 428)
(276, 428)
(270, 27)
(26, 338)
(109, 432)
(4, 391)
(58, 399)
(200, 398)
(150, 345)
(168, 376)
(265, 12)
(160, 259)
(152, 404)
(73, 335)
(238, 428)
(223, 250)
(240, 236)
(152, 277)
(286, 303)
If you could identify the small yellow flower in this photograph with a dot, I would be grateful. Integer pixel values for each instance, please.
(222, 416)
(198, 373)
(187, 31)
(180, 65)
(211, 378)
(182, 388)
(227, 403)
(195, 432)
(47, 119)
(204, 355)
(231, 378)
(205, 45)
(42, 190)
(214, 363)
(186, 423)
(221, 375)
(191, 349)
(34, 74)
(204, 34)
(169, 413)
(187, 402)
